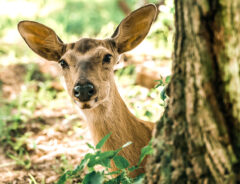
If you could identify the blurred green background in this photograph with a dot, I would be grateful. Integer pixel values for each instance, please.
(72, 19)
(30, 91)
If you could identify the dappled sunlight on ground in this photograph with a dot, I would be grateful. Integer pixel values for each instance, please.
(60, 145)
(54, 136)
(54, 144)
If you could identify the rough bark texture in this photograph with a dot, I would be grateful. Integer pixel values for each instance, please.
(198, 138)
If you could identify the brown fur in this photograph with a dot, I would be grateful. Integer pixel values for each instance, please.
(116, 118)
(105, 111)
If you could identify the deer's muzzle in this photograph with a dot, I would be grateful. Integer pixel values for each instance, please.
(84, 92)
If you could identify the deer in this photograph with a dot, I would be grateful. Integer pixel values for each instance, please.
(88, 70)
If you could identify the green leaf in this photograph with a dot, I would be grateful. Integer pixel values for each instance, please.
(147, 150)
(82, 164)
(167, 80)
(113, 173)
(122, 178)
(93, 178)
(106, 163)
(103, 158)
(160, 83)
(90, 146)
(139, 179)
(125, 179)
(106, 157)
(102, 141)
(116, 180)
(63, 178)
(163, 94)
(148, 114)
(133, 168)
(120, 162)
(80, 167)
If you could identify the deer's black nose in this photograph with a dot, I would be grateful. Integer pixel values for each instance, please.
(84, 91)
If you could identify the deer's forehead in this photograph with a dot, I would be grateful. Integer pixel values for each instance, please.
(87, 48)
(92, 55)
(85, 45)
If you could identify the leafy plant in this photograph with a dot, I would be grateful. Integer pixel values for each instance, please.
(163, 83)
(104, 159)
(16, 115)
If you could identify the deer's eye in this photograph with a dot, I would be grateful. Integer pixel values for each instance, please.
(63, 64)
(107, 58)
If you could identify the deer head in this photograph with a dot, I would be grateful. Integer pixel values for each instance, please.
(87, 64)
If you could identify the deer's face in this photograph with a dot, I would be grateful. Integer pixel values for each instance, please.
(87, 67)
(88, 63)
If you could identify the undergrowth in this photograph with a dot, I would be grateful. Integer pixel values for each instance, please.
(106, 176)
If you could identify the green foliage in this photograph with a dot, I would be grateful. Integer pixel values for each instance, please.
(11, 136)
(93, 178)
(136, 95)
(72, 19)
(33, 181)
(101, 143)
(147, 150)
(21, 159)
(63, 165)
(161, 33)
(163, 83)
(79, 17)
(104, 159)
(120, 162)
(17, 115)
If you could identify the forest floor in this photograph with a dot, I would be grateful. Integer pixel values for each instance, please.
(53, 143)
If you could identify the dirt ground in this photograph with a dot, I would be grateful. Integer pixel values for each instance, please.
(47, 159)
(60, 145)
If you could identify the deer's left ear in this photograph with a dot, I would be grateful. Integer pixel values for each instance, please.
(134, 28)
(42, 40)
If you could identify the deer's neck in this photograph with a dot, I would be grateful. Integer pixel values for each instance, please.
(111, 116)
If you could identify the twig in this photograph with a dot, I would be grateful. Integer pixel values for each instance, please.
(7, 164)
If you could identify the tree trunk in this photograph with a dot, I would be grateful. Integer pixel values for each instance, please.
(197, 140)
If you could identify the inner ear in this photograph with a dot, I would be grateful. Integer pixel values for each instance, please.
(134, 28)
(42, 40)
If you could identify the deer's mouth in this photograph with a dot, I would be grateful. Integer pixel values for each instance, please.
(86, 105)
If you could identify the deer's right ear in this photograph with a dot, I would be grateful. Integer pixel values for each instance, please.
(42, 40)
(134, 28)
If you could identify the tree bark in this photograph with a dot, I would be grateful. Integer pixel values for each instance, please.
(197, 140)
